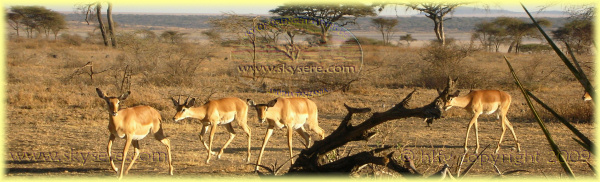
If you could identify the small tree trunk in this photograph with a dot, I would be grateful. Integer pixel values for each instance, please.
(383, 35)
(100, 23)
(323, 37)
(441, 31)
(111, 26)
(512, 45)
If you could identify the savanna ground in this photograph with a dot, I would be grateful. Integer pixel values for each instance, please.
(56, 124)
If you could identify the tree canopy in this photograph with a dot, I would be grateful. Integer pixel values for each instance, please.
(517, 29)
(577, 33)
(326, 14)
(386, 27)
(36, 18)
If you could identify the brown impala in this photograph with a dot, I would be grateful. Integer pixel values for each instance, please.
(133, 124)
(482, 102)
(213, 113)
(586, 97)
(291, 113)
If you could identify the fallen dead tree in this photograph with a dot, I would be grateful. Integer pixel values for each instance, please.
(311, 160)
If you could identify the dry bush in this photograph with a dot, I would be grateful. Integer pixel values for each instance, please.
(162, 64)
(392, 67)
(443, 61)
(72, 39)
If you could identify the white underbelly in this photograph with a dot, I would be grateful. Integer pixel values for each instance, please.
(490, 112)
(134, 136)
(226, 121)
(300, 120)
(138, 137)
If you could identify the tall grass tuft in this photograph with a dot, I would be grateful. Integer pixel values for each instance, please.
(578, 73)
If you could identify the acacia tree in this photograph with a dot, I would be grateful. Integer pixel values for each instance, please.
(15, 19)
(57, 25)
(36, 18)
(517, 29)
(490, 35)
(578, 32)
(95, 8)
(437, 13)
(326, 14)
(386, 27)
(291, 27)
(408, 38)
(171, 36)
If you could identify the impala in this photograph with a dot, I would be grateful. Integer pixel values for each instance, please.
(132, 124)
(291, 113)
(586, 97)
(213, 113)
(482, 102)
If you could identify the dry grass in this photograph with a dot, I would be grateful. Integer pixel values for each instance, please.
(53, 109)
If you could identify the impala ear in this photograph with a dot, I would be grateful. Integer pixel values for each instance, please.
(100, 94)
(125, 95)
(175, 103)
(191, 103)
(250, 102)
(272, 103)
(455, 94)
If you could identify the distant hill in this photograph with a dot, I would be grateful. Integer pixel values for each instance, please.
(458, 22)
(479, 12)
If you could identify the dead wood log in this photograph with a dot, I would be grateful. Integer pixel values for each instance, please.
(309, 160)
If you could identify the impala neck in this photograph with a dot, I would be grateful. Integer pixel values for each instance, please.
(198, 112)
(274, 113)
(461, 101)
(112, 119)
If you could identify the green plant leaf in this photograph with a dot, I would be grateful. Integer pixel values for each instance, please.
(579, 75)
(553, 145)
(586, 142)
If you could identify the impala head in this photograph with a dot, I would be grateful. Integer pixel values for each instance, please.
(112, 102)
(586, 97)
(445, 95)
(261, 109)
(183, 110)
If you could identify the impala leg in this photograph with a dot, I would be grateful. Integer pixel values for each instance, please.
(231, 136)
(501, 135)
(289, 136)
(111, 138)
(213, 130)
(313, 124)
(160, 136)
(513, 133)
(201, 135)
(262, 149)
(506, 123)
(136, 149)
(249, 133)
(473, 121)
(304, 135)
(476, 136)
(127, 144)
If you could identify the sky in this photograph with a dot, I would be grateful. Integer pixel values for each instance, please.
(239, 7)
